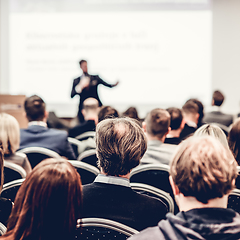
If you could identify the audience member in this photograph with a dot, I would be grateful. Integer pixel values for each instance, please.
(200, 110)
(234, 140)
(216, 115)
(214, 131)
(38, 135)
(121, 143)
(5, 204)
(48, 204)
(190, 115)
(202, 174)
(156, 126)
(176, 124)
(10, 138)
(107, 112)
(90, 112)
(132, 113)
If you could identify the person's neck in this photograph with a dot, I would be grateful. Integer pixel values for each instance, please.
(174, 133)
(127, 176)
(150, 138)
(189, 203)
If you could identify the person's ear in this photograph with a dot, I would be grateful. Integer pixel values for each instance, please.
(46, 114)
(174, 187)
(144, 127)
(83, 112)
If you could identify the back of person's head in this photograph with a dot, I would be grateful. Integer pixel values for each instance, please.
(9, 133)
(190, 107)
(90, 104)
(234, 139)
(217, 98)
(203, 168)
(90, 109)
(200, 109)
(157, 122)
(107, 112)
(131, 112)
(35, 108)
(214, 131)
(176, 117)
(48, 203)
(121, 143)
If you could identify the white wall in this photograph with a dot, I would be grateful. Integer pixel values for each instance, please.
(226, 52)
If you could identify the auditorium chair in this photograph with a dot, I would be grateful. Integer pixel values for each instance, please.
(87, 172)
(99, 228)
(37, 154)
(86, 135)
(156, 193)
(13, 171)
(75, 143)
(10, 189)
(234, 200)
(156, 175)
(89, 156)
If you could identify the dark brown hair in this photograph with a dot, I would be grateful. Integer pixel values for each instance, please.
(176, 117)
(234, 140)
(203, 168)
(218, 98)
(190, 107)
(157, 122)
(82, 61)
(107, 112)
(121, 143)
(47, 204)
(34, 108)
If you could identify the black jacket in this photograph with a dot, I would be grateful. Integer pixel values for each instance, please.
(197, 224)
(122, 204)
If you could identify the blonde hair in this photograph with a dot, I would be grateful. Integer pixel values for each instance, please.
(203, 168)
(214, 131)
(9, 133)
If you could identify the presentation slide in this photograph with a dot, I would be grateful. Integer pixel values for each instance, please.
(158, 56)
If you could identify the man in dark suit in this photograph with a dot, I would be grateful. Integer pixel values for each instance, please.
(38, 135)
(176, 124)
(216, 116)
(121, 144)
(86, 86)
(190, 112)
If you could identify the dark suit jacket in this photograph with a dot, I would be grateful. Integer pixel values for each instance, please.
(218, 117)
(39, 136)
(187, 131)
(82, 128)
(91, 91)
(122, 204)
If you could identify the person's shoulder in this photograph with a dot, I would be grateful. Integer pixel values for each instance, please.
(57, 132)
(152, 233)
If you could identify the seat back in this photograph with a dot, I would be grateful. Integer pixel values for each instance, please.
(3, 229)
(234, 200)
(89, 156)
(151, 191)
(75, 145)
(10, 189)
(13, 171)
(86, 135)
(156, 175)
(87, 172)
(99, 228)
(37, 154)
